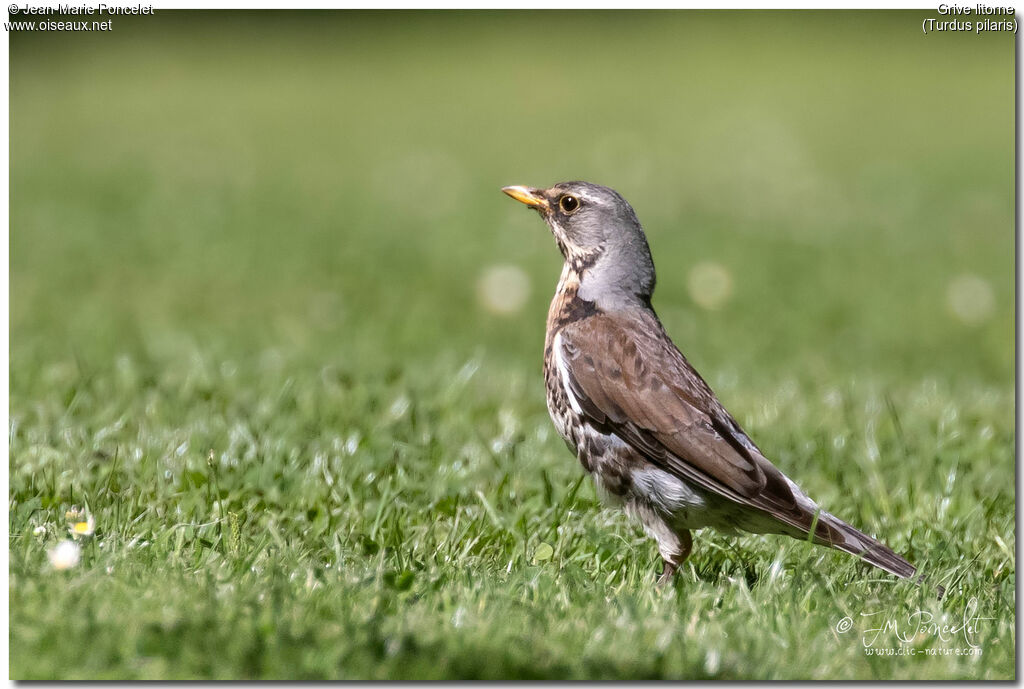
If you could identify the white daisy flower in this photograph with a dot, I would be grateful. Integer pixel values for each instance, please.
(64, 555)
(82, 526)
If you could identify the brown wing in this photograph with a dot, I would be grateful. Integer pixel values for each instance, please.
(626, 375)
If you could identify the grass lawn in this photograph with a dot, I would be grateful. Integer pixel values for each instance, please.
(247, 334)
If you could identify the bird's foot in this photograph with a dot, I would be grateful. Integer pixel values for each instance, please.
(668, 569)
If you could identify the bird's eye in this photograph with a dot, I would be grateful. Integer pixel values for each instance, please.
(569, 203)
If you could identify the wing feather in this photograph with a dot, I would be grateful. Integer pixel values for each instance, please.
(626, 377)
(629, 378)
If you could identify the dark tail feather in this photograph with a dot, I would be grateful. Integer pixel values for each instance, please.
(835, 532)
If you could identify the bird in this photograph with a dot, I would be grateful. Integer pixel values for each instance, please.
(640, 419)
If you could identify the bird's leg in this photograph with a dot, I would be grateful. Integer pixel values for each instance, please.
(674, 543)
(667, 570)
(674, 556)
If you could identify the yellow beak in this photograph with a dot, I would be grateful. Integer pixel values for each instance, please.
(531, 197)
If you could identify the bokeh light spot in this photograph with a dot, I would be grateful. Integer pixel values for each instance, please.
(503, 289)
(710, 285)
(970, 299)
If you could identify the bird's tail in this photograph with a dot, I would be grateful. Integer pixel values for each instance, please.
(833, 531)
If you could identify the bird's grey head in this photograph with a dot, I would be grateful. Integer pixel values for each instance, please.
(599, 236)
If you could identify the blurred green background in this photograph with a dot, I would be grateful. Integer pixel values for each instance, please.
(270, 235)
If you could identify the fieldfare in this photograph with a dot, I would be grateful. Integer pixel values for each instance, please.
(640, 419)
